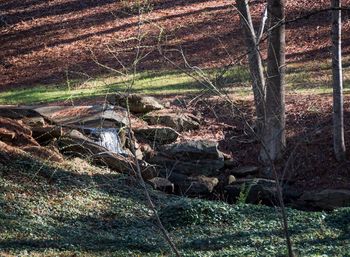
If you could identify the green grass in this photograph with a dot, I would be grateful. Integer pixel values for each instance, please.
(307, 78)
(79, 210)
(170, 82)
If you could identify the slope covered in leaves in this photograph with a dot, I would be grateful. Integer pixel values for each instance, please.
(52, 41)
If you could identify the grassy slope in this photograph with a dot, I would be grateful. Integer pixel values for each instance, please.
(80, 210)
(309, 78)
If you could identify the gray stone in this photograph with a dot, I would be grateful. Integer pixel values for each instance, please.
(177, 120)
(160, 135)
(161, 184)
(193, 150)
(327, 199)
(137, 103)
(191, 158)
(87, 116)
(14, 112)
(245, 171)
(197, 186)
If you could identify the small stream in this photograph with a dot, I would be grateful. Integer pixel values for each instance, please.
(108, 138)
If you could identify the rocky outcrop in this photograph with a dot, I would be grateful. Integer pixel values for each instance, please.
(200, 157)
(327, 199)
(88, 116)
(177, 120)
(160, 135)
(138, 104)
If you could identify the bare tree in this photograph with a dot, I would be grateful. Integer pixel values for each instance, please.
(338, 111)
(254, 59)
(274, 139)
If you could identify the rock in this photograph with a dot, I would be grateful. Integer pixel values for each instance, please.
(198, 186)
(231, 179)
(161, 135)
(34, 121)
(147, 151)
(291, 193)
(44, 135)
(245, 171)
(190, 158)
(95, 116)
(17, 113)
(327, 199)
(176, 120)
(16, 134)
(14, 126)
(6, 135)
(162, 184)
(231, 163)
(43, 153)
(76, 144)
(193, 150)
(137, 103)
(253, 191)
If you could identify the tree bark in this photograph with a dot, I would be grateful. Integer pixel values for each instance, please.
(274, 140)
(338, 111)
(255, 63)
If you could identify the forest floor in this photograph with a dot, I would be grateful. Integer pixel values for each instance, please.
(49, 43)
(75, 209)
(56, 52)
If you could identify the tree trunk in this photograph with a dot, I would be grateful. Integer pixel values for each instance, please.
(338, 111)
(274, 132)
(255, 63)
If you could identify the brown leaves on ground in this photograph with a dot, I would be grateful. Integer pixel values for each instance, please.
(309, 129)
(42, 41)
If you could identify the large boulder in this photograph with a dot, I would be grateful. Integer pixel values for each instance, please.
(199, 157)
(245, 171)
(160, 135)
(192, 186)
(137, 103)
(16, 113)
(327, 199)
(177, 120)
(94, 116)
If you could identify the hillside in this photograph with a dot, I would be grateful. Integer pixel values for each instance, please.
(45, 42)
(75, 209)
